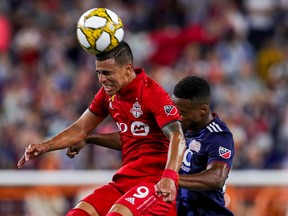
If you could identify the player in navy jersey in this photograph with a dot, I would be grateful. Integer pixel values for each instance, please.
(208, 156)
(209, 151)
(152, 147)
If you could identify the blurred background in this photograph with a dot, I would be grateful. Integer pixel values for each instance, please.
(47, 80)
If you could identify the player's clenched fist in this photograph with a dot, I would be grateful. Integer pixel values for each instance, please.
(72, 151)
(31, 151)
(167, 189)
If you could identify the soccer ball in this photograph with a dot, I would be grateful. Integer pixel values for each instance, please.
(99, 30)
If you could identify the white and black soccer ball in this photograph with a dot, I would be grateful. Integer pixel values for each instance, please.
(99, 30)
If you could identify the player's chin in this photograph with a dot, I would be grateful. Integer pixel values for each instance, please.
(110, 91)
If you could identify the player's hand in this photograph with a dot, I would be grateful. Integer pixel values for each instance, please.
(72, 151)
(32, 151)
(167, 189)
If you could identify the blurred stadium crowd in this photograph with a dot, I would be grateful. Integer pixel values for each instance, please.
(47, 80)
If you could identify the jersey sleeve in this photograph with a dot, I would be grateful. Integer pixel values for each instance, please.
(220, 148)
(162, 107)
(99, 105)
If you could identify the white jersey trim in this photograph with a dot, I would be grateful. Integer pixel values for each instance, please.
(213, 127)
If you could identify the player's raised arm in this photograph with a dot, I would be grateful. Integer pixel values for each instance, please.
(72, 135)
(167, 186)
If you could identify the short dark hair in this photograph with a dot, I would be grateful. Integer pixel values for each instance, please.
(121, 53)
(191, 88)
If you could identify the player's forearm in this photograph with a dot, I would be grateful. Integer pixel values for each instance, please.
(176, 151)
(195, 183)
(176, 147)
(68, 137)
(109, 140)
(211, 179)
(76, 132)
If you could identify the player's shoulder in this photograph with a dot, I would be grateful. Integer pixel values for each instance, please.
(152, 85)
(148, 83)
(217, 126)
(218, 132)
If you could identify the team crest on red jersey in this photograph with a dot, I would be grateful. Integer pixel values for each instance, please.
(170, 110)
(224, 152)
(136, 110)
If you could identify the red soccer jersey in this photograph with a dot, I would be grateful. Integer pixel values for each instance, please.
(140, 110)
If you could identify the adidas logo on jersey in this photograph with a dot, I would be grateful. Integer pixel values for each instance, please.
(130, 199)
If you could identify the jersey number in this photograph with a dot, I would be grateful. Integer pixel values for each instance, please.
(141, 192)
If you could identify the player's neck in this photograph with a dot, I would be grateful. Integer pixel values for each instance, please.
(209, 119)
(205, 122)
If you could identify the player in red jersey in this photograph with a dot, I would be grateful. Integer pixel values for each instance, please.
(150, 130)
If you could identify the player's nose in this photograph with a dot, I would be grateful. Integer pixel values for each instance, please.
(102, 78)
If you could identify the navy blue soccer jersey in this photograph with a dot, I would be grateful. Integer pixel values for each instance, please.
(214, 143)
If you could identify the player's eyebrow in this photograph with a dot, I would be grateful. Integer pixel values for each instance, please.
(102, 71)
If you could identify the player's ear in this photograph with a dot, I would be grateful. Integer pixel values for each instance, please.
(128, 67)
(204, 109)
